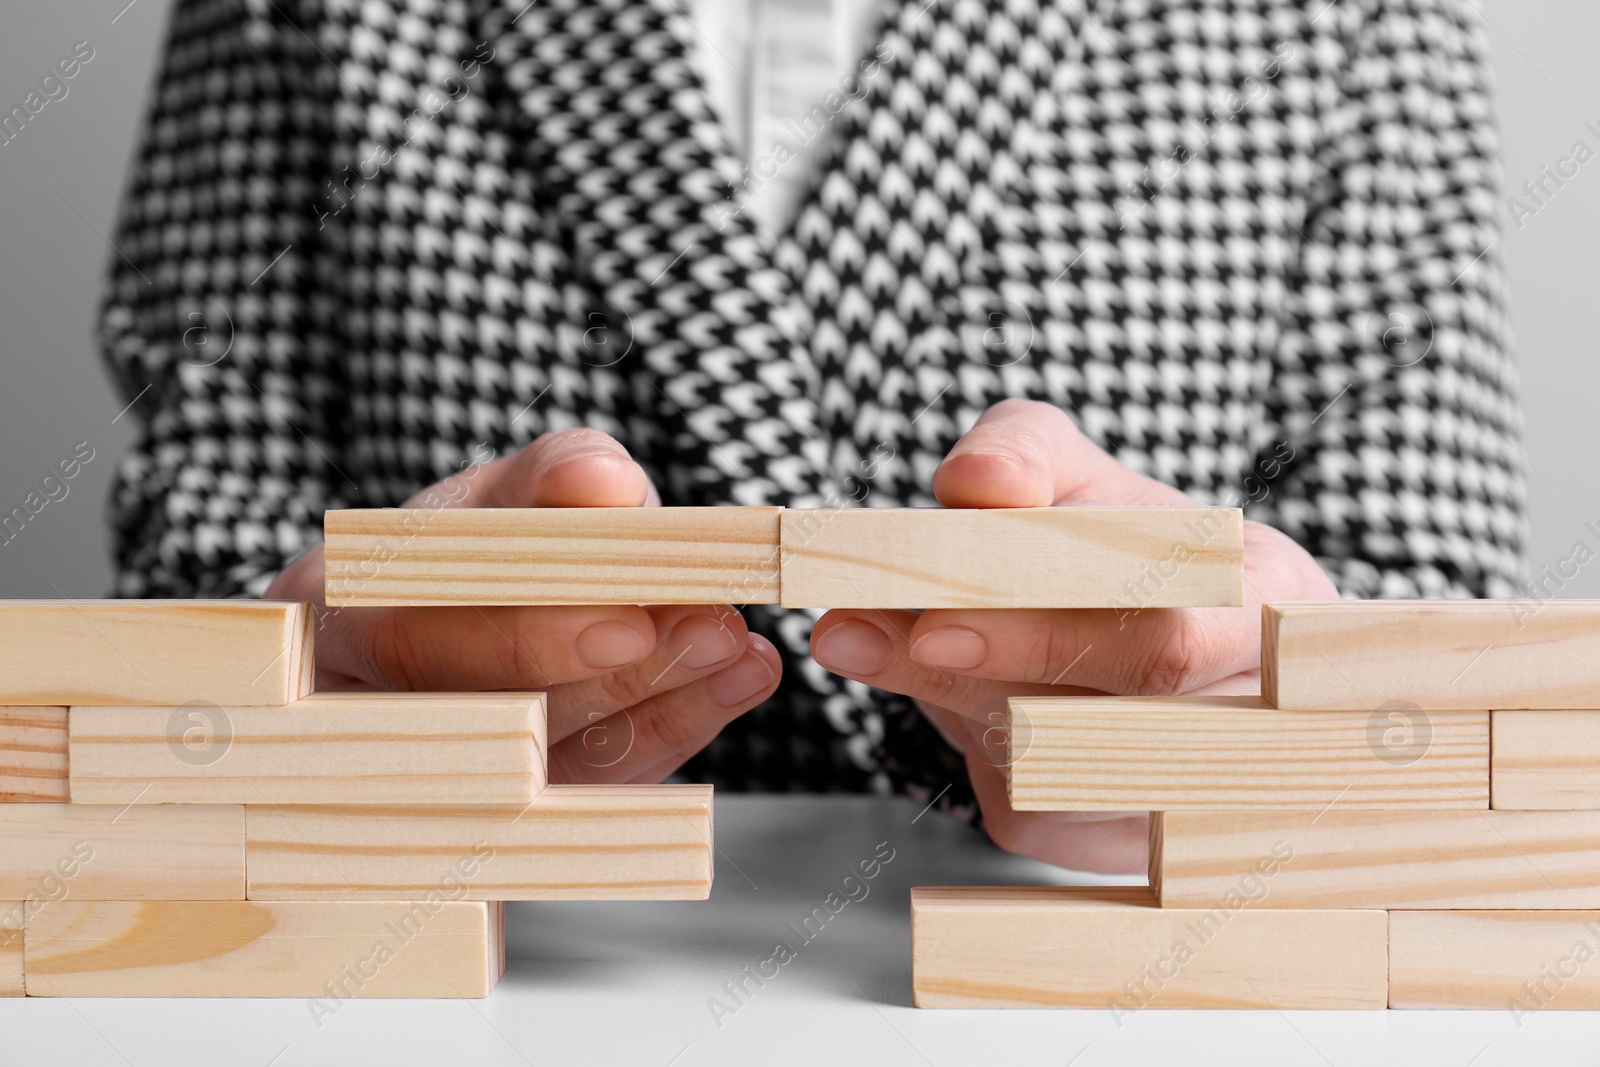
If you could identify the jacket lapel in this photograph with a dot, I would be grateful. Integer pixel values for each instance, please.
(633, 164)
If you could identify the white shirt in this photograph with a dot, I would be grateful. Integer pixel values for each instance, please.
(768, 64)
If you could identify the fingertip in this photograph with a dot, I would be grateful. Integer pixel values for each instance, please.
(852, 647)
(768, 652)
(592, 480)
(750, 679)
(725, 617)
(991, 479)
(955, 648)
(612, 643)
(703, 639)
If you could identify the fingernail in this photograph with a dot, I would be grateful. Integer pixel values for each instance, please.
(699, 641)
(955, 647)
(855, 647)
(611, 644)
(1004, 457)
(740, 682)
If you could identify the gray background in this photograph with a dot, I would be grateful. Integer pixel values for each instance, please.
(53, 395)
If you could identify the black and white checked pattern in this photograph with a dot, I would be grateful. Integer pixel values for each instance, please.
(1242, 242)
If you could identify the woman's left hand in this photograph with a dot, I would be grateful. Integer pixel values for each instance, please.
(961, 665)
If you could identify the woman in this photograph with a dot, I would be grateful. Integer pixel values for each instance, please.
(997, 255)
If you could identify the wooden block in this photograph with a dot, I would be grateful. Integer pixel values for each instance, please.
(1545, 760)
(33, 755)
(572, 843)
(1522, 961)
(1112, 948)
(1394, 860)
(1465, 655)
(65, 652)
(326, 951)
(552, 556)
(329, 748)
(1219, 753)
(109, 852)
(10, 952)
(1119, 558)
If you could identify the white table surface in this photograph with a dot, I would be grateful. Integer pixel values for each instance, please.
(631, 984)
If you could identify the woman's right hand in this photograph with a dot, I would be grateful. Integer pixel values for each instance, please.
(632, 692)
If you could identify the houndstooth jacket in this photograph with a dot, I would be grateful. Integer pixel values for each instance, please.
(1248, 244)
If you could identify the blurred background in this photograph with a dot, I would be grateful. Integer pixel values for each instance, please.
(62, 176)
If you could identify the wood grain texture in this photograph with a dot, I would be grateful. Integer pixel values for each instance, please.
(1231, 753)
(1524, 961)
(64, 652)
(10, 954)
(1545, 760)
(1421, 860)
(1434, 654)
(1125, 558)
(33, 755)
(1112, 948)
(572, 843)
(112, 852)
(326, 951)
(552, 556)
(328, 748)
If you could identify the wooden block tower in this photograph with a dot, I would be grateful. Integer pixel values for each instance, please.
(181, 816)
(1408, 816)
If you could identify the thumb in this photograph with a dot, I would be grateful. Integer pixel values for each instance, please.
(577, 468)
(1029, 454)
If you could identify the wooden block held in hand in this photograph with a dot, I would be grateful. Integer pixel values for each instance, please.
(1352, 655)
(113, 852)
(1380, 859)
(1119, 558)
(10, 952)
(64, 652)
(325, 951)
(33, 755)
(593, 842)
(1219, 753)
(329, 748)
(1112, 948)
(1522, 961)
(422, 556)
(1545, 760)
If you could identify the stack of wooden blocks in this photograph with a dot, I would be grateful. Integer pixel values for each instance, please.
(1408, 816)
(181, 816)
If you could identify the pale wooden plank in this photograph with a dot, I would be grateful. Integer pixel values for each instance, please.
(1096, 753)
(112, 852)
(552, 556)
(33, 755)
(328, 748)
(1120, 558)
(1112, 948)
(1521, 961)
(1545, 760)
(10, 951)
(571, 843)
(326, 951)
(64, 652)
(497, 942)
(1394, 860)
(1431, 654)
